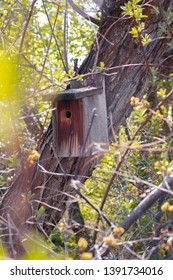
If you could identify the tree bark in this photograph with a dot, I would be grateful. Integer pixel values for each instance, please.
(127, 74)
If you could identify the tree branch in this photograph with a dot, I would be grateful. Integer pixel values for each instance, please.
(143, 206)
(55, 38)
(83, 14)
(26, 24)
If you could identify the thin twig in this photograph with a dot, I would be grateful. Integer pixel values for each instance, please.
(47, 205)
(26, 24)
(55, 38)
(66, 35)
(91, 204)
(48, 48)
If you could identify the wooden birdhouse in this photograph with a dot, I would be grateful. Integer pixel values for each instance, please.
(80, 118)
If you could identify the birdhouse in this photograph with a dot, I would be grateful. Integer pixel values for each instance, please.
(79, 118)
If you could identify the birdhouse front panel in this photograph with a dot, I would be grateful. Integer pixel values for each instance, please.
(68, 120)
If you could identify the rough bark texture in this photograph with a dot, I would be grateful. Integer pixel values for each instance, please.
(115, 47)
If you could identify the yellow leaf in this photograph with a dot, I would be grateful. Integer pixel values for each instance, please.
(165, 207)
(118, 230)
(82, 244)
(86, 256)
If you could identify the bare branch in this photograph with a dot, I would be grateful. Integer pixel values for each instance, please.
(66, 36)
(83, 14)
(143, 206)
(55, 38)
(49, 45)
(75, 186)
(26, 25)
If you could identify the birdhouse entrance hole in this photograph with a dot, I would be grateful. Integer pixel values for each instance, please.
(68, 114)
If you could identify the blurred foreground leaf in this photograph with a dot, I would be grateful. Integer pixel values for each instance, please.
(10, 96)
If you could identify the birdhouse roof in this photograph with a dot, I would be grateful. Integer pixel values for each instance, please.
(73, 94)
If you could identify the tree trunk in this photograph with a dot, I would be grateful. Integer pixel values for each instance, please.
(127, 65)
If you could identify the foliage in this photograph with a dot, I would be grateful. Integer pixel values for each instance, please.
(39, 41)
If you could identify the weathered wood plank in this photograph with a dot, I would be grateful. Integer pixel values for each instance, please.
(68, 135)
